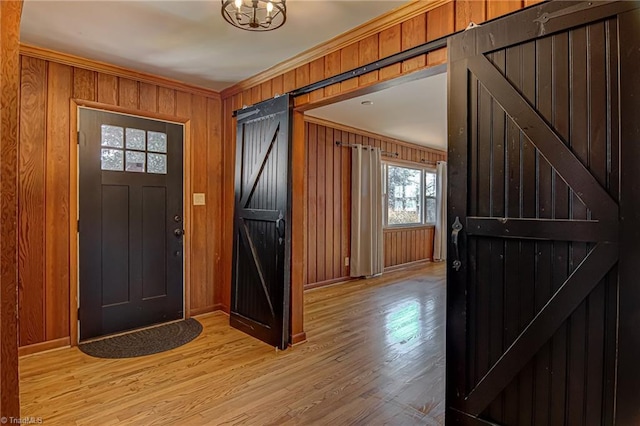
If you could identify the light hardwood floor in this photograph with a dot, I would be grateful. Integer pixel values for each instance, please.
(375, 355)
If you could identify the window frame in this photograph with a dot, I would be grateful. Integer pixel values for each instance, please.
(424, 169)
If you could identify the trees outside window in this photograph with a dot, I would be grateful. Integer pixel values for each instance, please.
(410, 195)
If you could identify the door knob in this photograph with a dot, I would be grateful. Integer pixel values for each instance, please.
(178, 232)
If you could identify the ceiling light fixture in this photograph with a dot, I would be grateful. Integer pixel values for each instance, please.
(255, 15)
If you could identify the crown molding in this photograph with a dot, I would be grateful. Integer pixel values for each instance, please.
(366, 133)
(376, 25)
(102, 67)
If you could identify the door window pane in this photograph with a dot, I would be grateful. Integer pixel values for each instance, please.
(157, 142)
(112, 136)
(404, 197)
(112, 159)
(136, 139)
(157, 163)
(135, 161)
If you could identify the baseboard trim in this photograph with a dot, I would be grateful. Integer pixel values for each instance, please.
(406, 265)
(205, 310)
(49, 345)
(298, 339)
(328, 282)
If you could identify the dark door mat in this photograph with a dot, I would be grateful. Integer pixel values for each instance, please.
(144, 342)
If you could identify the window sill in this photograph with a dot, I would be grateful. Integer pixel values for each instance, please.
(408, 227)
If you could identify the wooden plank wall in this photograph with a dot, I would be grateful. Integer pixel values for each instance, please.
(47, 88)
(438, 22)
(10, 12)
(328, 224)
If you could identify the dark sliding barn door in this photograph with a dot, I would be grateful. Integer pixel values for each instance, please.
(260, 291)
(541, 282)
(130, 227)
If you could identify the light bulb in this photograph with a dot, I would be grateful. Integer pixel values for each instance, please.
(238, 4)
(269, 8)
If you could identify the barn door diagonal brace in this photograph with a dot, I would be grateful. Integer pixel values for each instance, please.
(566, 299)
(545, 139)
(248, 241)
(253, 180)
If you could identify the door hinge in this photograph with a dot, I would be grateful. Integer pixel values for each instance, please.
(78, 138)
(78, 312)
(78, 226)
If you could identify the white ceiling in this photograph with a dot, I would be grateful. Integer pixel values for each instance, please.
(413, 112)
(187, 40)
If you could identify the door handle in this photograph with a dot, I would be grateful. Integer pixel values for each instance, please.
(280, 227)
(457, 227)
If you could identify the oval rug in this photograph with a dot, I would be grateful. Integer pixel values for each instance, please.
(144, 342)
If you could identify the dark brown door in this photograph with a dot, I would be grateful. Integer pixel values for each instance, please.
(262, 240)
(543, 196)
(131, 224)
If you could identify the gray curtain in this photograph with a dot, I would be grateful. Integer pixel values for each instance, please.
(440, 241)
(367, 257)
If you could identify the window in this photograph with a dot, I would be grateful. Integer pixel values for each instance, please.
(409, 195)
(145, 151)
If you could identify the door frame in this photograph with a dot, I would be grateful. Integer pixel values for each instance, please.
(74, 194)
(299, 172)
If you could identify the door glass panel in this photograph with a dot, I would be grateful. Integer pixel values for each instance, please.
(112, 136)
(136, 139)
(112, 159)
(157, 163)
(135, 161)
(157, 142)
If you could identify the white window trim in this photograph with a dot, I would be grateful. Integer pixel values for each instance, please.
(423, 211)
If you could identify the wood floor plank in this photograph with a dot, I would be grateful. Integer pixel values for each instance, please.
(375, 355)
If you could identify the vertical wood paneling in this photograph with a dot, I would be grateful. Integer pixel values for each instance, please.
(368, 51)
(266, 90)
(107, 89)
(497, 8)
(345, 212)
(414, 33)
(84, 84)
(390, 43)
(10, 13)
(289, 81)
(323, 137)
(199, 296)
(45, 167)
(316, 73)
(332, 66)
(321, 212)
(440, 22)
(348, 61)
(467, 11)
(128, 95)
(312, 223)
(148, 97)
(213, 172)
(166, 101)
(329, 206)
(277, 85)
(59, 91)
(31, 196)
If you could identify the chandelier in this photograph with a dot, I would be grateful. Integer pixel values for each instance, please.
(255, 15)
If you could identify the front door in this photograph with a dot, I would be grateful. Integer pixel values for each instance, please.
(543, 149)
(130, 222)
(260, 291)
